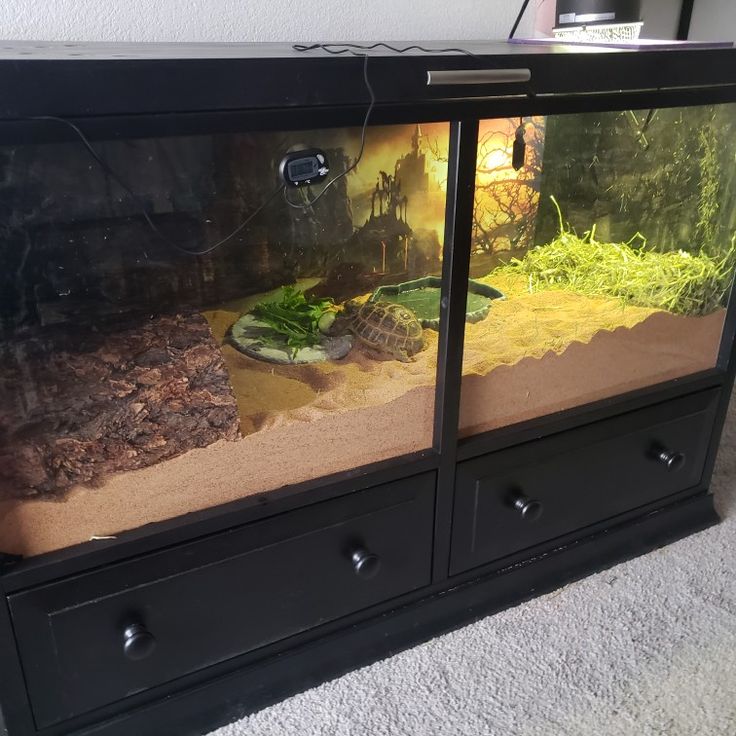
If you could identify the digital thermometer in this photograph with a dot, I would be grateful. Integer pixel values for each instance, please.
(301, 168)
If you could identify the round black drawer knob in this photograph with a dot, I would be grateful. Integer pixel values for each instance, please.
(672, 460)
(138, 642)
(365, 563)
(528, 508)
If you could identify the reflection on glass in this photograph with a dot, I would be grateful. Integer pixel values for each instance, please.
(140, 380)
(613, 244)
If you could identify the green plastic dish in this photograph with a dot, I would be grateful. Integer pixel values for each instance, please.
(422, 296)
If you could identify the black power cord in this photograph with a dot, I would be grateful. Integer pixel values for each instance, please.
(308, 204)
(349, 48)
(141, 205)
(524, 6)
(330, 48)
(356, 49)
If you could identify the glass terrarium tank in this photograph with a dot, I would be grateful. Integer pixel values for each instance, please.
(612, 236)
(192, 319)
(181, 328)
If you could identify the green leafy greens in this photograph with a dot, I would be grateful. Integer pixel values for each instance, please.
(293, 317)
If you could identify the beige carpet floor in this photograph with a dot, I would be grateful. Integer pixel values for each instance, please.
(647, 648)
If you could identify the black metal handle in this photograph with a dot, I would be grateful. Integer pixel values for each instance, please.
(671, 459)
(530, 509)
(138, 642)
(365, 563)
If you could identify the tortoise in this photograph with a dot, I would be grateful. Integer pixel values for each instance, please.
(388, 329)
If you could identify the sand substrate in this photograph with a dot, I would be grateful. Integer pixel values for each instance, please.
(538, 353)
(533, 354)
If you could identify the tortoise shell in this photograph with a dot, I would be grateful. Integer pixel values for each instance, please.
(388, 328)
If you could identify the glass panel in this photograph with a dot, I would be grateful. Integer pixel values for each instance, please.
(139, 381)
(611, 237)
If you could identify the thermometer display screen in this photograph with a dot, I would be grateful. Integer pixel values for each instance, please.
(304, 167)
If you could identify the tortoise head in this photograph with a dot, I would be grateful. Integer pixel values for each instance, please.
(351, 307)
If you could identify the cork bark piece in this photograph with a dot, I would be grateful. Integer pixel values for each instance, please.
(76, 408)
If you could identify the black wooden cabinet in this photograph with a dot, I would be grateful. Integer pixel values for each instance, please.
(93, 643)
(516, 498)
(180, 625)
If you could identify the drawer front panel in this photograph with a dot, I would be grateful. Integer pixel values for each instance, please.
(509, 500)
(190, 607)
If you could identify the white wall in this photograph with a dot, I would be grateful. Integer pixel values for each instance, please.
(714, 20)
(317, 20)
(259, 20)
(661, 18)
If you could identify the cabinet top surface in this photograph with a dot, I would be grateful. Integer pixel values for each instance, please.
(69, 79)
(119, 51)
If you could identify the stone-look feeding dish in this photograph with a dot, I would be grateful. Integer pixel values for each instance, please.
(248, 333)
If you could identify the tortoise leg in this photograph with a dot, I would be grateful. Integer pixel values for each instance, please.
(402, 355)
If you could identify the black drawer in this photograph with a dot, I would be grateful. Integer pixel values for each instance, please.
(210, 600)
(509, 500)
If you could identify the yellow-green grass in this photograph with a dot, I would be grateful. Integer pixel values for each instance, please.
(676, 281)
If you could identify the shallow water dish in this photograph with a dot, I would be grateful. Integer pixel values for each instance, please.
(422, 296)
